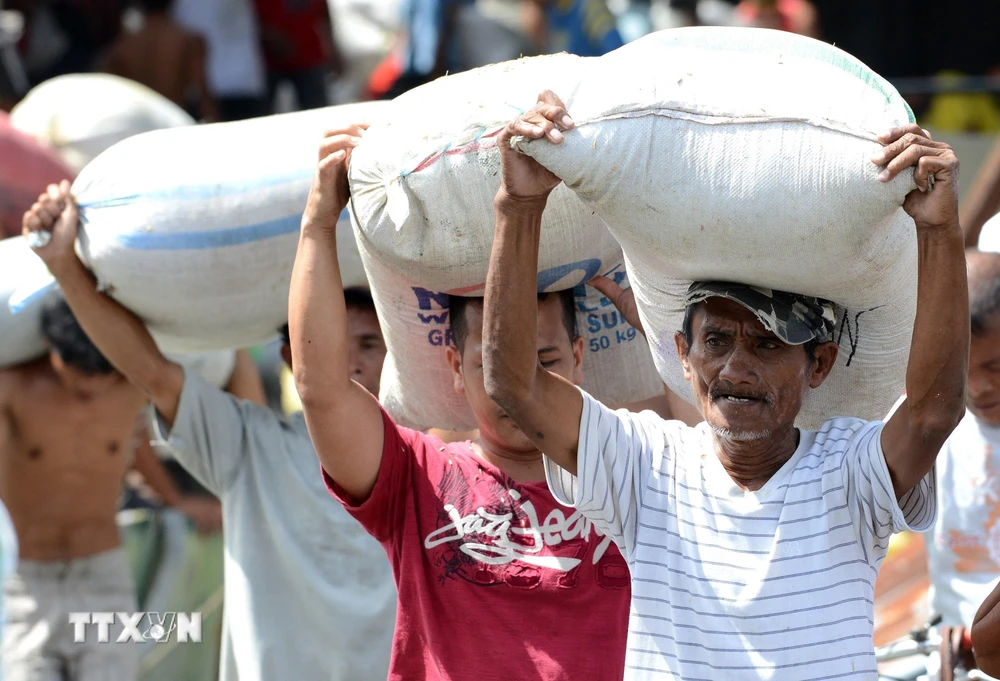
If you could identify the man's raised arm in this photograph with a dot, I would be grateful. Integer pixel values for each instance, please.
(344, 420)
(547, 408)
(939, 352)
(120, 336)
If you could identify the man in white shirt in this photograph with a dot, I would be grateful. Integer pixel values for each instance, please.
(753, 546)
(964, 551)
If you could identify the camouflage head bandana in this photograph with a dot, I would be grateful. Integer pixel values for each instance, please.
(794, 318)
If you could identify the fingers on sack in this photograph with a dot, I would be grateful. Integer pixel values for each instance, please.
(353, 130)
(896, 133)
(332, 160)
(531, 125)
(913, 157)
(608, 288)
(31, 222)
(557, 116)
(944, 166)
(51, 207)
(340, 143)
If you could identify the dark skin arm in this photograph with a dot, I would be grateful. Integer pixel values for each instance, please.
(333, 404)
(120, 336)
(937, 371)
(986, 634)
(546, 407)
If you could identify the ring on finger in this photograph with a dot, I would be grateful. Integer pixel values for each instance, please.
(930, 181)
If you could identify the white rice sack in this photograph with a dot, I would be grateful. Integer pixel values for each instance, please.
(195, 229)
(215, 367)
(21, 335)
(744, 155)
(417, 387)
(423, 183)
(83, 114)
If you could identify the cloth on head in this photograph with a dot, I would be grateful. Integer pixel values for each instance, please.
(794, 318)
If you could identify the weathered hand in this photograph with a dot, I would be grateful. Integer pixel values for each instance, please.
(622, 299)
(935, 203)
(330, 191)
(524, 178)
(50, 226)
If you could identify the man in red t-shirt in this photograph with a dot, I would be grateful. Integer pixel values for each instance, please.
(491, 571)
(298, 44)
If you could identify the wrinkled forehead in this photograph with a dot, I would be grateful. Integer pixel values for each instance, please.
(727, 316)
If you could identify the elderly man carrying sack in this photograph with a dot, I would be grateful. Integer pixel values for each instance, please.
(753, 545)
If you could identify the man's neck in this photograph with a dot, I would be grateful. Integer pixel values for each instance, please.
(518, 466)
(751, 463)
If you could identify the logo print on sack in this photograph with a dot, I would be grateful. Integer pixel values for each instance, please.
(604, 328)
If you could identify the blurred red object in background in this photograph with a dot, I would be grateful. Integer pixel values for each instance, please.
(26, 168)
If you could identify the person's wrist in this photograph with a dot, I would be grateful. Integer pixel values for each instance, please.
(65, 266)
(949, 229)
(513, 203)
(319, 226)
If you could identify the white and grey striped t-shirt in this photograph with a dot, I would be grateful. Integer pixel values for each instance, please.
(773, 584)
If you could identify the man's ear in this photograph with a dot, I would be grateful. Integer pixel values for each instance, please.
(682, 352)
(578, 350)
(455, 364)
(826, 357)
(286, 354)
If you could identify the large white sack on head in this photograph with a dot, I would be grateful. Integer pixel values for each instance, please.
(744, 155)
(21, 338)
(216, 367)
(195, 229)
(422, 184)
(83, 114)
(21, 335)
(423, 181)
(417, 388)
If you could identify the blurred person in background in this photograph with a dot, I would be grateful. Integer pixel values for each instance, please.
(309, 595)
(68, 423)
(167, 58)
(236, 75)
(13, 77)
(964, 549)
(425, 48)
(794, 16)
(66, 36)
(582, 27)
(299, 49)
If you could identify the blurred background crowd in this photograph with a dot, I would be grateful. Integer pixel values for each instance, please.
(228, 60)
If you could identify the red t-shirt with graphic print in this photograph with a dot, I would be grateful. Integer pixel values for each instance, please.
(496, 579)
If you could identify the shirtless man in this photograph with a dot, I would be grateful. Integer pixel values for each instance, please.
(67, 423)
(166, 58)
